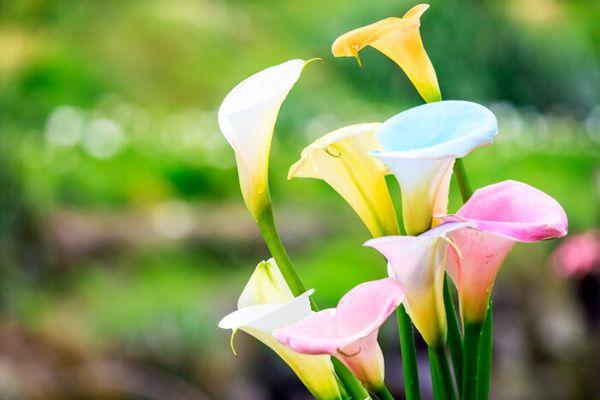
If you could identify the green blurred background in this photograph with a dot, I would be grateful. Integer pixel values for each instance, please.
(123, 236)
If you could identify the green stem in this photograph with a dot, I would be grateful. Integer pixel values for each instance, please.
(436, 383)
(266, 224)
(383, 394)
(471, 353)
(484, 365)
(441, 372)
(409, 355)
(454, 334)
(462, 179)
(352, 385)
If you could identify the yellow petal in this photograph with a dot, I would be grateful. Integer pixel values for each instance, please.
(341, 158)
(400, 40)
(266, 286)
(315, 372)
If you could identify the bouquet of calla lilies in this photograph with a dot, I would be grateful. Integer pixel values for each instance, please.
(334, 352)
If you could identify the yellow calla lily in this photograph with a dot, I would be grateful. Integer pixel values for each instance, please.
(267, 304)
(400, 40)
(341, 159)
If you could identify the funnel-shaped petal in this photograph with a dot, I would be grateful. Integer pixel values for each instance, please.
(420, 146)
(267, 304)
(247, 119)
(418, 263)
(501, 214)
(341, 159)
(350, 331)
(400, 40)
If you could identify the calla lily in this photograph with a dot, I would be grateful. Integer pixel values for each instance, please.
(501, 215)
(247, 119)
(341, 159)
(349, 332)
(267, 304)
(400, 40)
(418, 263)
(421, 145)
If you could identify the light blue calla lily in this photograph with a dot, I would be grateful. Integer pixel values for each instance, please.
(420, 147)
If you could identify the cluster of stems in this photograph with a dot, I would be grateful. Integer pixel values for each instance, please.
(470, 347)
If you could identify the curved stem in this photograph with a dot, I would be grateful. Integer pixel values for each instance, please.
(441, 372)
(462, 179)
(266, 224)
(409, 355)
(471, 353)
(484, 365)
(454, 334)
(383, 394)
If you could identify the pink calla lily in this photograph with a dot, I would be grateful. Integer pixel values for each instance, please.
(349, 332)
(501, 214)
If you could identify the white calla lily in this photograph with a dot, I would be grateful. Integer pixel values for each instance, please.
(247, 119)
(266, 304)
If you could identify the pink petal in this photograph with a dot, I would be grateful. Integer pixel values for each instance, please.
(474, 270)
(514, 210)
(578, 255)
(359, 314)
(366, 307)
(315, 334)
(350, 332)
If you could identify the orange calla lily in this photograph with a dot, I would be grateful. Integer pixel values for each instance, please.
(400, 40)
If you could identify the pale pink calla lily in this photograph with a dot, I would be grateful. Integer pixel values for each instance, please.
(349, 332)
(502, 214)
(418, 263)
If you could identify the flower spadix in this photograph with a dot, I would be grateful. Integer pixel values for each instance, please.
(341, 159)
(500, 215)
(400, 40)
(420, 147)
(247, 119)
(418, 263)
(349, 332)
(266, 304)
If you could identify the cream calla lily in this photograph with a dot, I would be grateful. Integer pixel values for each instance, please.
(266, 304)
(247, 119)
(421, 145)
(341, 159)
(418, 263)
(400, 40)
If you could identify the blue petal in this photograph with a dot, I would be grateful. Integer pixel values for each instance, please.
(442, 129)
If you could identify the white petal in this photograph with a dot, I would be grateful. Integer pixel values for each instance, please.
(247, 315)
(247, 118)
(267, 317)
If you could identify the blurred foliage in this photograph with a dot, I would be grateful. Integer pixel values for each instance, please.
(122, 232)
